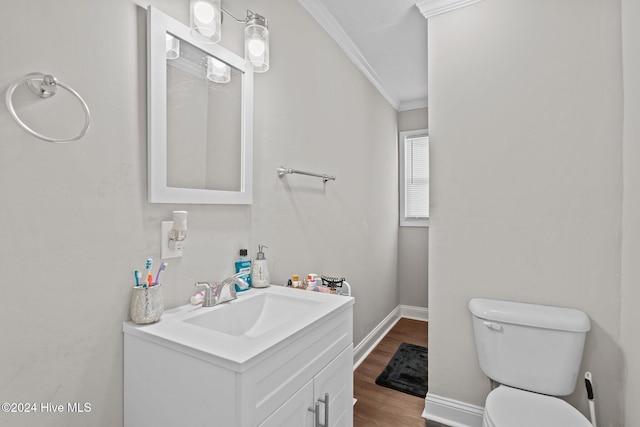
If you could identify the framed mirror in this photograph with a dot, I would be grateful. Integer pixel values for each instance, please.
(200, 118)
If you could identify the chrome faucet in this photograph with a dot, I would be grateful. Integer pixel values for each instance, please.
(221, 292)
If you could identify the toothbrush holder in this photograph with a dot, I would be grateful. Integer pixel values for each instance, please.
(147, 304)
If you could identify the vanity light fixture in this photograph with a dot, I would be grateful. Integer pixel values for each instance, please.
(206, 23)
(206, 20)
(256, 42)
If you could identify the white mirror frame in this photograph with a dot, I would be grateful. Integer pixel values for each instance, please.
(158, 24)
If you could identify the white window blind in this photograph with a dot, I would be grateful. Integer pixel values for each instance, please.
(414, 178)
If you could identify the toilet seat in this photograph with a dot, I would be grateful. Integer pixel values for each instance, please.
(508, 407)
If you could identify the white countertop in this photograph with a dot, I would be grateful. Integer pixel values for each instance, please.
(239, 352)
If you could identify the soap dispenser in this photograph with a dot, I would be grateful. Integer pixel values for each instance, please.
(260, 270)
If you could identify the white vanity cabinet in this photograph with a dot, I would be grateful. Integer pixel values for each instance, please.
(325, 400)
(170, 381)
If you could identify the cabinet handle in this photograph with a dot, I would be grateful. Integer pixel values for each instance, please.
(316, 411)
(326, 410)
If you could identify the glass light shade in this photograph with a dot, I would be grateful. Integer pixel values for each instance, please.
(206, 20)
(256, 43)
(218, 71)
(173, 47)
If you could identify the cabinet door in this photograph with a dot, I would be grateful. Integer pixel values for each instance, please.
(337, 380)
(295, 411)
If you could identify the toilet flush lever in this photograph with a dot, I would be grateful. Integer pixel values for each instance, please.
(494, 326)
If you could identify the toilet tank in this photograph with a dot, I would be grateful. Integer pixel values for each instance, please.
(532, 347)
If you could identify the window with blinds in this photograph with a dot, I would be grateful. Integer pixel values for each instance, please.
(414, 178)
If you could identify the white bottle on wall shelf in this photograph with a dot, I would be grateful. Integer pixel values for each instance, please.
(260, 270)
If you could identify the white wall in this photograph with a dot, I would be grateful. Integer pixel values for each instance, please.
(631, 210)
(76, 221)
(526, 148)
(413, 242)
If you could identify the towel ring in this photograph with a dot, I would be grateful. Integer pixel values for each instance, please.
(45, 86)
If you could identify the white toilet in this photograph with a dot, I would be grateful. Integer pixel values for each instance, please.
(534, 352)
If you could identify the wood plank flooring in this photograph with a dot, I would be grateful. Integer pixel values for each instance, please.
(379, 406)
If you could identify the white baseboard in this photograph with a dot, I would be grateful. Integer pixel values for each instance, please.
(415, 313)
(452, 412)
(366, 346)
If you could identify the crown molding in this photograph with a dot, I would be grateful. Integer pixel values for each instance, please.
(431, 8)
(320, 13)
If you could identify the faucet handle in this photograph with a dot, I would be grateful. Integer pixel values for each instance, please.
(242, 282)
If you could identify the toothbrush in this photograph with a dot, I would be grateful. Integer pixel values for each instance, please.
(162, 268)
(149, 281)
(148, 266)
(137, 275)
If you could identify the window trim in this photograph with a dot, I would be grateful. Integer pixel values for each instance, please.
(402, 136)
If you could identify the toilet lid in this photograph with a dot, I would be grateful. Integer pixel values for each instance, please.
(506, 406)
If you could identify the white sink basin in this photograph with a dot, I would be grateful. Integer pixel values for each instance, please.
(252, 317)
(241, 333)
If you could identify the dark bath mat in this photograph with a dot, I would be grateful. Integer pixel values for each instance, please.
(407, 370)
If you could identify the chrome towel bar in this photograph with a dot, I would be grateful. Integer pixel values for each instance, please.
(282, 171)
